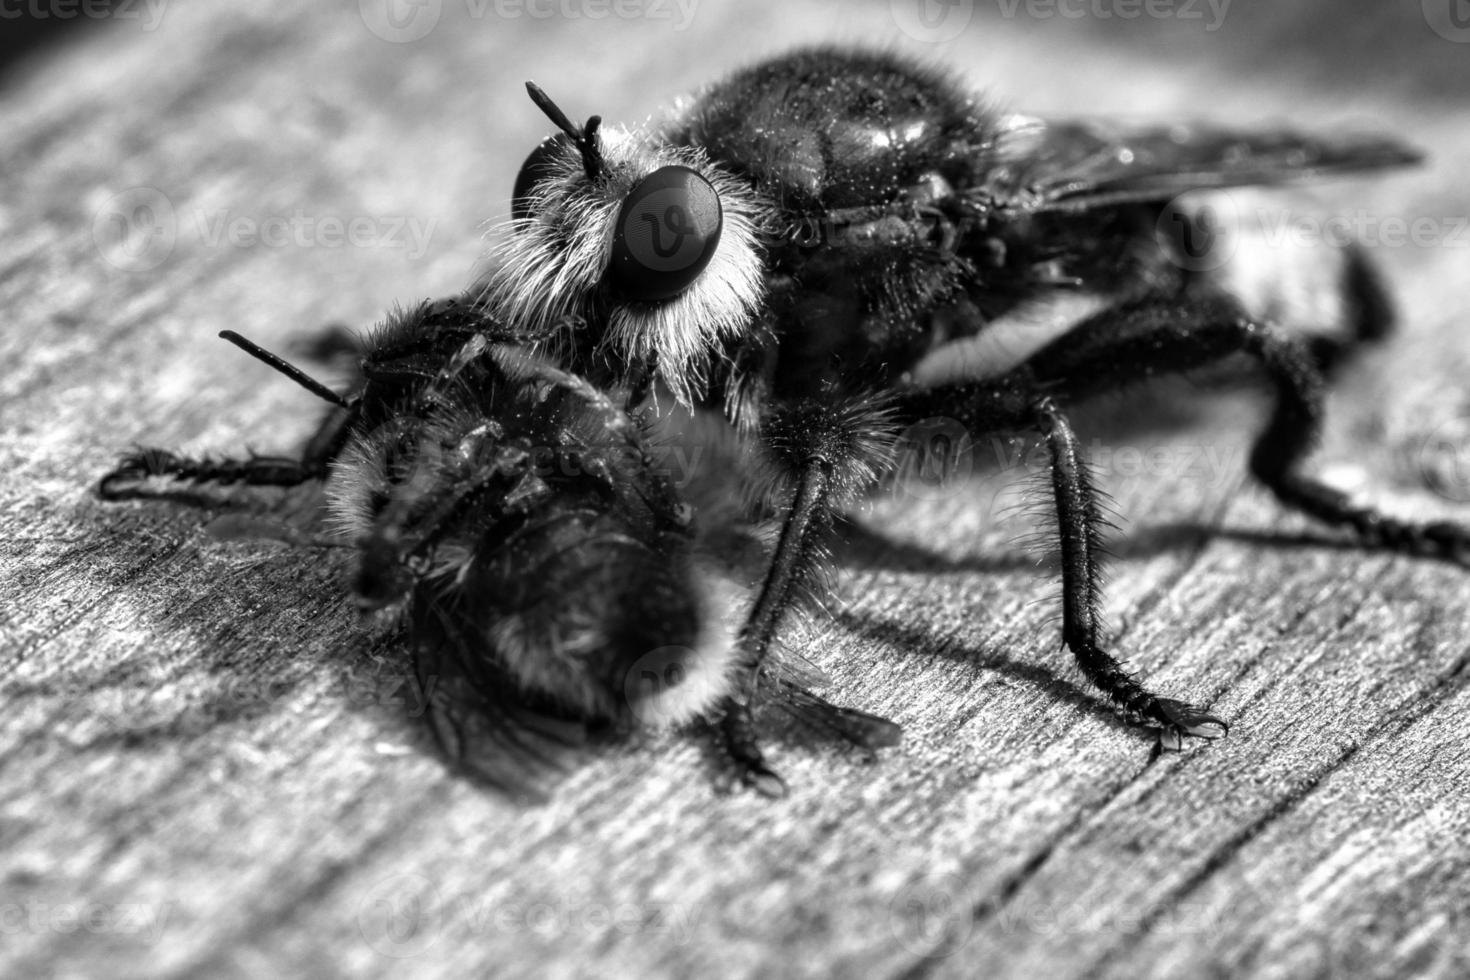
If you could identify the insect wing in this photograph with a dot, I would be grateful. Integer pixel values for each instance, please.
(1081, 164)
(481, 722)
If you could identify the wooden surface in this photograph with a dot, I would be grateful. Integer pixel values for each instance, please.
(205, 765)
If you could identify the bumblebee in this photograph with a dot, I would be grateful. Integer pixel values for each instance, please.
(515, 521)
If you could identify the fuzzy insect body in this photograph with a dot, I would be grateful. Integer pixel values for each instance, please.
(515, 520)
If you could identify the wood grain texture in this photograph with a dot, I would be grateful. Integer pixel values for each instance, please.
(204, 767)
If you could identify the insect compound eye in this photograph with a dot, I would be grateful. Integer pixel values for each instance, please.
(538, 167)
(667, 232)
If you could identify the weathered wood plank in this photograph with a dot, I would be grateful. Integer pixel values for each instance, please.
(202, 753)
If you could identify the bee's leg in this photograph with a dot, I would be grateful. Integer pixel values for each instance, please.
(406, 531)
(823, 452)
(125, 481)
(1147, 338)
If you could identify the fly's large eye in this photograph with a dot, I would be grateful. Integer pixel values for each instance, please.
(536, 169)
(667, 231)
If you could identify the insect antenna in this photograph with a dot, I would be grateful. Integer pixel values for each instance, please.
(289, 370)
(585, 137)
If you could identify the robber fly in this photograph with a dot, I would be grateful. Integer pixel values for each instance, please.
(824, 246)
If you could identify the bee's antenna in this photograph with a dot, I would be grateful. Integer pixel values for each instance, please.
(289, 370)
(585, 138)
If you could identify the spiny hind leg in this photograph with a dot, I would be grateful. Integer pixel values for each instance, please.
(1151, 337)
(1080, 525)
(129, 480)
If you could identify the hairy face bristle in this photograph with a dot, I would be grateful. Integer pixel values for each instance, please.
(552, 264)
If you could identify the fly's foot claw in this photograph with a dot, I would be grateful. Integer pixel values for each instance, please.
(752, 774)
(1178, 719)
(742, 754)
(765, 782)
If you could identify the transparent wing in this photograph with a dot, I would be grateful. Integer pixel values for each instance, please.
(485, 729)
(1077, 165)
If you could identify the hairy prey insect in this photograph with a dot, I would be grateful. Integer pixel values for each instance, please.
(511, 514)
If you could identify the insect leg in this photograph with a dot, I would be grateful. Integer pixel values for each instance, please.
(122, 483)
(1080, 524)
(825, 452)
(1014, 401)
(797, 559)
(405, 533)
(1367, 310)
(1143, 339)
